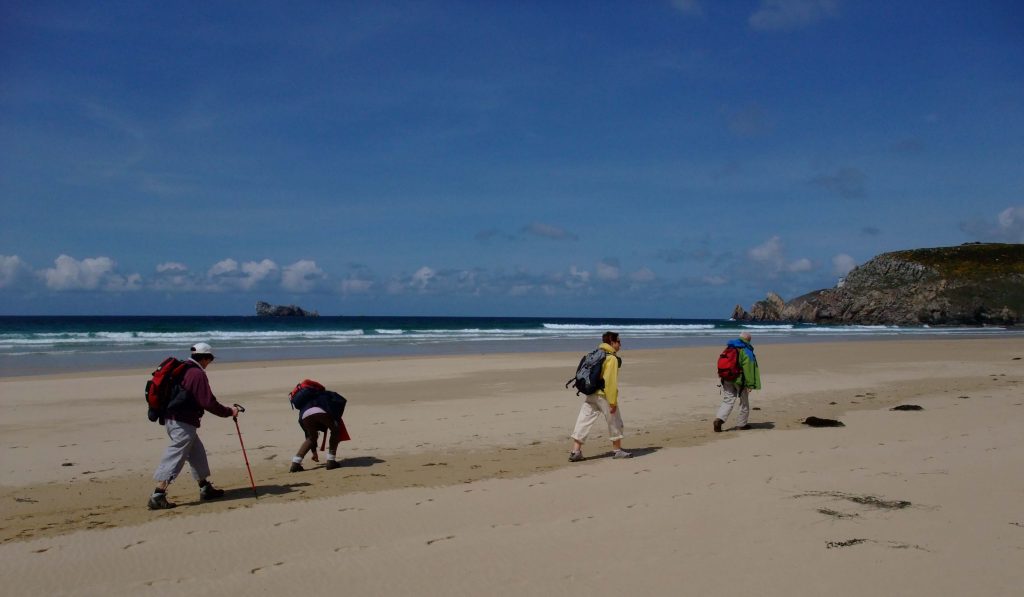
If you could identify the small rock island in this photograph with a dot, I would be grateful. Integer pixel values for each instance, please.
(267, 310)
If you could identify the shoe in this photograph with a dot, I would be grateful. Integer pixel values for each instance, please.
(209, 492)
(296, 468)
(332, 464)
(718, 425)
(158, 501)
(744, 427)
(575, 456)
(617, 454)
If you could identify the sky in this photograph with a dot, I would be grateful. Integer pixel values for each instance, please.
(661, 158)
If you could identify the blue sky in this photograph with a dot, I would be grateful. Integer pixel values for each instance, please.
(608, 159)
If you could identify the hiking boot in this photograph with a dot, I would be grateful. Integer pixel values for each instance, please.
(617, 454)
(718, 425)
(209, 492)
(575, 456)
(158, 501)
(332, 464)
(296, 468)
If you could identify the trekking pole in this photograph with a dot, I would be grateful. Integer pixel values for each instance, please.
(241, 409)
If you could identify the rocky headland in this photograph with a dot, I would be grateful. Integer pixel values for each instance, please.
(971, 284)
(267, 310)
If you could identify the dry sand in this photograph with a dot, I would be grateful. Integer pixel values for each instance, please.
(456, 481)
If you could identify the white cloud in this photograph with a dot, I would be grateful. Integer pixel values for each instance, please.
(788, 15)
(227, 274)
(173, 276)
(300, 276)
(800, 265)
(771, 256)
(93, 273)
(643, 276)
(715, 280)
(356, 286)
(12, 270)
(608, 270)
(226, 266)
(255, 272)
(842, 264)
(769, 253)
(577, 277)
(171, 266)
(1010, 225)
(422, 277)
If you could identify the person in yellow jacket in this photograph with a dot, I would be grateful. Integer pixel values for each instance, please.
(603, 402)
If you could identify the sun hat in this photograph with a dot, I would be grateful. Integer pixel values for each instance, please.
(202, 349)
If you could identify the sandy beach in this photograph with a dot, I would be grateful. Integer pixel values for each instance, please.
(456, 480)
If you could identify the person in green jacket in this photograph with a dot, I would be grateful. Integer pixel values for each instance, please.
(740, 388)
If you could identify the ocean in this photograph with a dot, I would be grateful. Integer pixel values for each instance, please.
(40, 345)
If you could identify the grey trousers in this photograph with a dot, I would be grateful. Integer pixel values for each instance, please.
(185, 447)
(730, 393)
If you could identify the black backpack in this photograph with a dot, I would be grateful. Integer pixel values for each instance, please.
(588, 378)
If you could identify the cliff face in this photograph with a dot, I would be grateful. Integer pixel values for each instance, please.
(974, 284)
(267, 310)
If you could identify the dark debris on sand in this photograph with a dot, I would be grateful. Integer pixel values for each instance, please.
(819, 422)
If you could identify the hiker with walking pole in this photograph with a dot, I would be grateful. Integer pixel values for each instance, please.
(191, 396)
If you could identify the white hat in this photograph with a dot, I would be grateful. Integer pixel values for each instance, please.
(201, 348)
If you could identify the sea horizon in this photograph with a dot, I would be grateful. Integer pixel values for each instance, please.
(36, 345)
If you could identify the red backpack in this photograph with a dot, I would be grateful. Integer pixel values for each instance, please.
(306, 390)
(160, 387)
(729, 368)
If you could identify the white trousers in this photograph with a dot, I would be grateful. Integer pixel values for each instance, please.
(592, 408)
(730, 392)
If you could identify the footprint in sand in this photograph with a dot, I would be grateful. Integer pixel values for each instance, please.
(292, 521)
(131, 545)
(177, 581)
(260, 568)
(351, 548)
(432, 541)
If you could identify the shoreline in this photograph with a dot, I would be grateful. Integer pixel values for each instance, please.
(131, 362)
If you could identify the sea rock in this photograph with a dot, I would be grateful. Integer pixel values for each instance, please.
(973, 284)
(267, 310)
(907, 407)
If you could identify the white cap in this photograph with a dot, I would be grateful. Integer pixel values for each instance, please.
(202, 348)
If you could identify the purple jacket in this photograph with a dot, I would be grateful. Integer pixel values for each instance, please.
(197, 385)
